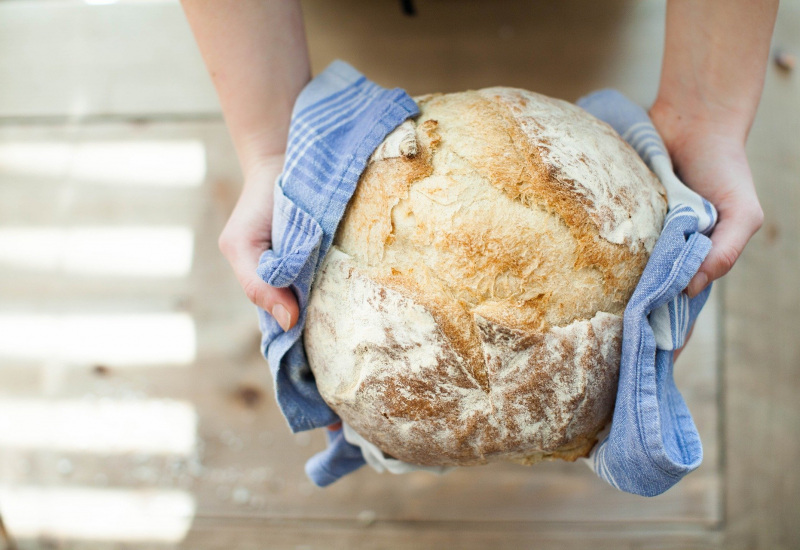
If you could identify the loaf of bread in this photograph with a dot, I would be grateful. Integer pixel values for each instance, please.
(471, 307)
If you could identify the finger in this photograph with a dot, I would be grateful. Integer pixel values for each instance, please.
(678, 351)
(727, 242)
(278, 302)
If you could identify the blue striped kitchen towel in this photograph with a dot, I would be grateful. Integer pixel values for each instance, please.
(653, 442)
(338, 120)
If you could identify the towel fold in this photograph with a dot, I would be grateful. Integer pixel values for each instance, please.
(653, 441)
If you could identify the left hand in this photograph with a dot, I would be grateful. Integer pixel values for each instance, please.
(711, 160)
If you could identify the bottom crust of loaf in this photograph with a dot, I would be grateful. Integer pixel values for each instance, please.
(581, 449)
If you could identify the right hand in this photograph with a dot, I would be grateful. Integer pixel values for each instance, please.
(248, 234)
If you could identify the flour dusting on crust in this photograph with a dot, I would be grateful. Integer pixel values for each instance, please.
(410, 390)
(471, 307)
(622, 196)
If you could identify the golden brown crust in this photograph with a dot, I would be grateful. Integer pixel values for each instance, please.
(547, 395)
(470, 309)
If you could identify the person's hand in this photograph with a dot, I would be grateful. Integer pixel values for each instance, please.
(248, 234)
(711, 160)
(257, 57)
(712, 74)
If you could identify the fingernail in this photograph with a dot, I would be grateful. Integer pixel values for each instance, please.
(697, 284)
(282, 316)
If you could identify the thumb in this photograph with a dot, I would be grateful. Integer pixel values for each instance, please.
(278, 302)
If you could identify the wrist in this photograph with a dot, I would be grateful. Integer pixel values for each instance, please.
(259, 151)
(686, 127)
(262, 164)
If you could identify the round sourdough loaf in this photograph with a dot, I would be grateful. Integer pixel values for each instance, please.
(471, 307)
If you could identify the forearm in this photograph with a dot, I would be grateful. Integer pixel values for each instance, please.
(715, 58)
(257, 56)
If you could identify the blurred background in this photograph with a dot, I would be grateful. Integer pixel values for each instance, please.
(135, 408)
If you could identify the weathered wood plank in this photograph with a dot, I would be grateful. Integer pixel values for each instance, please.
(466, 535)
